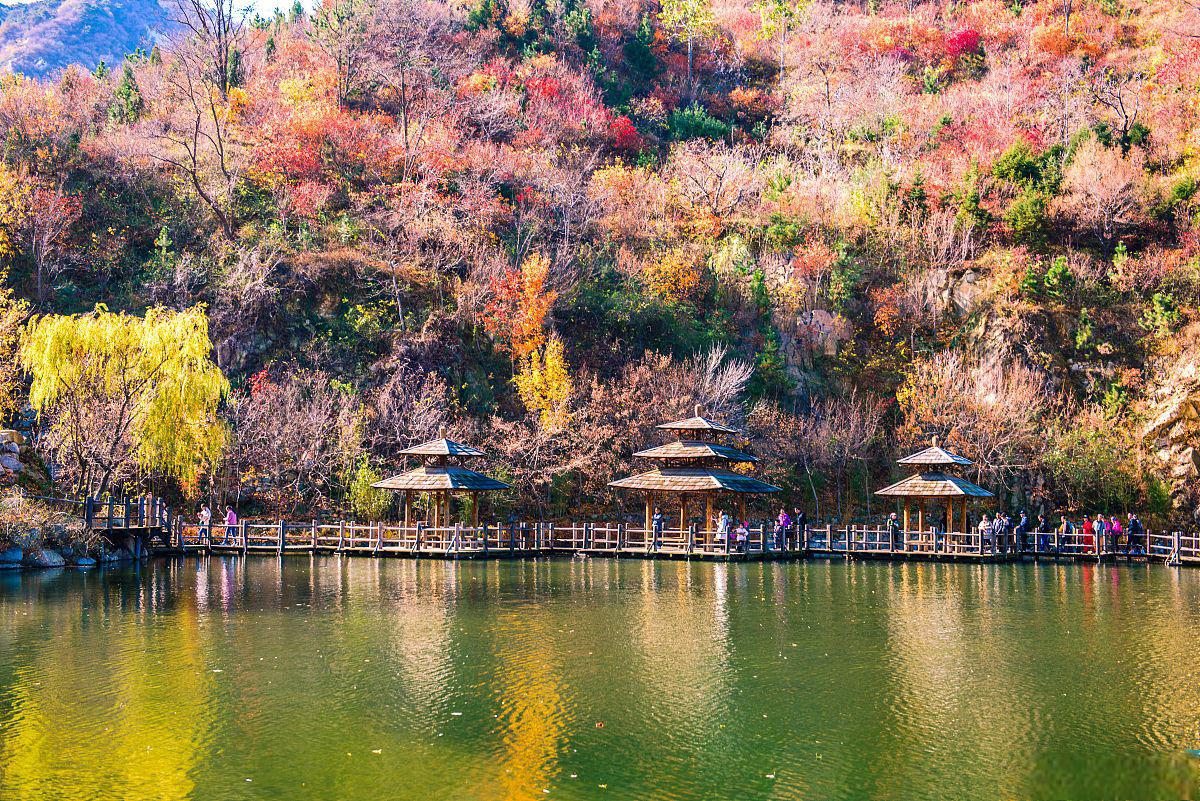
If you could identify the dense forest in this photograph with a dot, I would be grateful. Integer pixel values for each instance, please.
(544, 226)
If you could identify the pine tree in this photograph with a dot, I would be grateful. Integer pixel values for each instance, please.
(127, 98)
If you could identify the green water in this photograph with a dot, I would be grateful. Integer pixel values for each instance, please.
(593, 679)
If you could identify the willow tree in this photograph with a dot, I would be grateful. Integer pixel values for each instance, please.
(120, 392)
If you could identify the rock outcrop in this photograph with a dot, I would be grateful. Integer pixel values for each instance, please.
(1173, 433)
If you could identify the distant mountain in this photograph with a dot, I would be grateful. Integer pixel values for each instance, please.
(42, 37)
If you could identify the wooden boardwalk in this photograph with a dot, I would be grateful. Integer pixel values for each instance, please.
(148, 525)
(501, 540)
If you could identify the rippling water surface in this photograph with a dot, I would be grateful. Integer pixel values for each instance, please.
(332, 678)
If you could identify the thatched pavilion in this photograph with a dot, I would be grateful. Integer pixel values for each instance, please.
(934, 485)
(695, 465)
(441, 479)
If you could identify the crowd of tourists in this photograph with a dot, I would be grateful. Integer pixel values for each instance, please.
(1094, 534)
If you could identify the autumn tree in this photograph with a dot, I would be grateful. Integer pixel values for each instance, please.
(339, 28)
(521, 302)
(48, 219)
(119, 391)
(13, 313)
(1102, 188)
(214, 30)
(297, 439)
(194, 130)
(778, 18)
(994, 414)
(687, 21)
(544, 384)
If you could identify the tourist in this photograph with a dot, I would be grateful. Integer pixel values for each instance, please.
(782, 524)
(1043, 533)
(741, 534)
(1066, 531)
(1022, 529)
(656, 524)
(895, 536)
(1089, 531)
(205, 520)
(801, 522)
(1100, 530)
(985, 530)
(231, 522)
(1116, 534)
(724, 522)
(1136, 534)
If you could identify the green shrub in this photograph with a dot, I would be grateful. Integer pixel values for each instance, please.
(1085, 330)
(1162, 316)
(367, 502)
(1028, 218)
(1059, 281)
(694, 122)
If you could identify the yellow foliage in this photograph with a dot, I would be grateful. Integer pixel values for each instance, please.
(116, 386)
(14, 197)
(544, 385)
(12, 318)
(675, 275)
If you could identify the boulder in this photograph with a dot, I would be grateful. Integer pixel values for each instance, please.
(12, 435)
(85, 561)
(43, 557)
(11, 555)
(11, 463)
(10, 447)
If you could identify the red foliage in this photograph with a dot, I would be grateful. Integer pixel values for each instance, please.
(625, 135)
(963, 43)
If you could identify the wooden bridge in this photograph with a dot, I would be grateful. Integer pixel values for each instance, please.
(498, 540)
(148, 525)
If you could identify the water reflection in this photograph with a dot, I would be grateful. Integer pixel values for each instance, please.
(340, 678)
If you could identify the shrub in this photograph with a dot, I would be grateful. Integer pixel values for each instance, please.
(694, 122)
(1028, 218)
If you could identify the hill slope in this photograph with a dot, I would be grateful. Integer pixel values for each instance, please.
(42, 37)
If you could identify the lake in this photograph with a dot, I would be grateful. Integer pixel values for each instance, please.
(351, 678)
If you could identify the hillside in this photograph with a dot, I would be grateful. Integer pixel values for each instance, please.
(545, 227)
(43, 37)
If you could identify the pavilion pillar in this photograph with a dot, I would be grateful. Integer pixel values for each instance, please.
(708, 517)
(742, 509)
(649, 513)
(682, 512)
(475, 510)
(906, 502)
(921, 515)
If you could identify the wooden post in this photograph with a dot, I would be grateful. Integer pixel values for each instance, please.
(89, 511)
(905, 538)
(691, 532)
(341, 546)
(649, 503)
(313, 538)
(282, 535)
(245, 543)
(417, 537)
(708, 517)
(620, 536)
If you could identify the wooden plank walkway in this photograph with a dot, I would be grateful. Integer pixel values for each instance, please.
(148, 523)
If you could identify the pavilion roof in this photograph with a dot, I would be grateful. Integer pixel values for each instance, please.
(698, 422)
(693, 449)
(693, 479)
(935, 456)
(934, 485)
(429, 478)
(442, 447)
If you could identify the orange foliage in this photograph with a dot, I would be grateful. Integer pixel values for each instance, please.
(520, 304)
